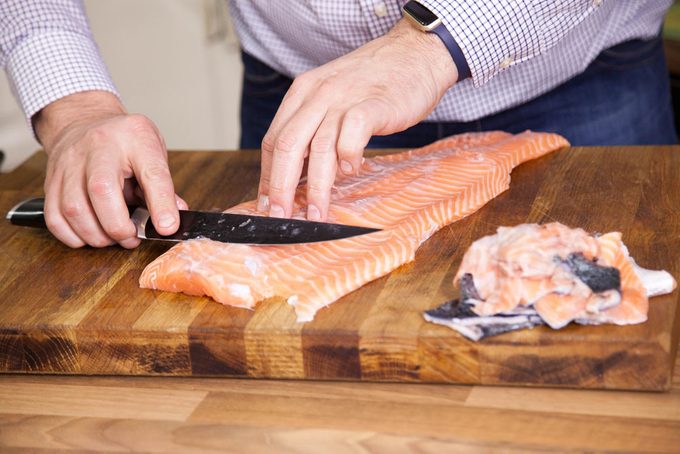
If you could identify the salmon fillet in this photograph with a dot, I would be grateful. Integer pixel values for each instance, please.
(532, 274)
(410, 195)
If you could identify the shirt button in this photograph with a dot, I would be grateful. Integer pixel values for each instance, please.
(506, 62)
(597, 2)
(380, 9)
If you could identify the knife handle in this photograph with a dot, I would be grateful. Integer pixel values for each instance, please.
(31, 213)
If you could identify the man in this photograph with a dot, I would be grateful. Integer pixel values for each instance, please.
(591, 70)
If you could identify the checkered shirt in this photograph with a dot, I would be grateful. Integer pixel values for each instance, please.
(48, 52)
(516, 49)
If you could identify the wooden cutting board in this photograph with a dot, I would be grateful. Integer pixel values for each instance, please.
(82, 312)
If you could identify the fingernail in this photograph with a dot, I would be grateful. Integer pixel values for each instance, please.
(276, 211)
(262, 203)
(166, 220)
(130, 243)
(313, 213)
(345, 166)
(181, 204)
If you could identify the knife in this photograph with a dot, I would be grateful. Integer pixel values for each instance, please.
(224, 227)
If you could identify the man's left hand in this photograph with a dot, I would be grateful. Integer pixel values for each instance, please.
(330, 113)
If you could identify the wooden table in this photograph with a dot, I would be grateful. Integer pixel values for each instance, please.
(156, 414)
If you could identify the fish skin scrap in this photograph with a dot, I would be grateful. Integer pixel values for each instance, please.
(587, 279)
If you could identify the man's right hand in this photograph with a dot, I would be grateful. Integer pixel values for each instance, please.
(97, 155)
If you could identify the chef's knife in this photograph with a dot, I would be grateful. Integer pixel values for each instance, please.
(224, 227)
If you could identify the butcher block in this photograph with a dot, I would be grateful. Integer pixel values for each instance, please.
(81, 311)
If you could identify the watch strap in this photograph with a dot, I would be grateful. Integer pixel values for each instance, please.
(455, 51)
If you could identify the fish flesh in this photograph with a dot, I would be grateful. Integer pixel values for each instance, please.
(409, 195)
(533, 274)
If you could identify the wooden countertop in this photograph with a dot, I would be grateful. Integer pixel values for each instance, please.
(160, 414)
(154, 414)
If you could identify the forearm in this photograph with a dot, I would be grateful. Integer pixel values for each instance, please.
(429, 47)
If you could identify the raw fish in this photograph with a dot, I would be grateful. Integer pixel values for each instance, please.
(551, 274)
(410, 195)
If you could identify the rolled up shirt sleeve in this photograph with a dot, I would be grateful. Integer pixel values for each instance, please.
(48, 52)
(496, 34)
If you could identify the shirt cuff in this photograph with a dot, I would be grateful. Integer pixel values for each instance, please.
(487, 32)
(48, 66)
(494, 35)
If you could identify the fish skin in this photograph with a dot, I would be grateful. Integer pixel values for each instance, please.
(587, 279)
(410, 195)
(468, 290)
(597, 277)
(460, 316)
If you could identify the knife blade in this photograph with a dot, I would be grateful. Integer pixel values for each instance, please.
(223, 227)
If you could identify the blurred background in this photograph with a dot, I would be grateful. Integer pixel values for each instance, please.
(178, 62)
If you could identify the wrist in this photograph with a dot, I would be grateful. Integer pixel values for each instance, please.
(429, 48)
(88, 106)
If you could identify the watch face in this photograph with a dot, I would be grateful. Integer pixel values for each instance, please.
(417, 11)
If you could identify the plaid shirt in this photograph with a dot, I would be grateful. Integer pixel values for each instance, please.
(516, 49)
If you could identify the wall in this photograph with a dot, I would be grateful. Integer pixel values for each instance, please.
(174, 61)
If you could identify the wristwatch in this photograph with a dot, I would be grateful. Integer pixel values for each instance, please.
(426, 21)
(421, 17)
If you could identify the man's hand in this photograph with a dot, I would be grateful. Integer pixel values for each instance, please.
(95, 152)
(330, 113)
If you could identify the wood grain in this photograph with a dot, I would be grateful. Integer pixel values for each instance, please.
(52, 434)
(582, 402)
(173, 414)
(72, 400)
(82, 312)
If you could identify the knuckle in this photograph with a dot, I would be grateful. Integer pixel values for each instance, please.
(265, 182)
(318, 188)
(146, 136)
(52, 221)
(349, 151)
(300, 86)
(97, 134)
(357, 115)
(285, 143)
(300, 82)
(155, 172)
(322, 145)
(139, 123)
(279, 187)
(100, 185)
(327, 86)
(268, 143)
(119, 232)
(73, 209)
(276, 188)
